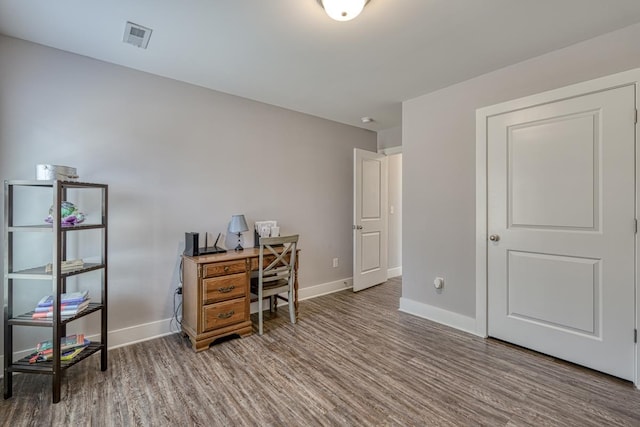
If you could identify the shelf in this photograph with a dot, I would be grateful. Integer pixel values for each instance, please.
(48, 228)
(45, 228)
(57, 190)
(38, 273)
(65, 184)
(26, 319)
(23, 364)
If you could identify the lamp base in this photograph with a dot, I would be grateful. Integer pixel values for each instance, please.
(239, 247)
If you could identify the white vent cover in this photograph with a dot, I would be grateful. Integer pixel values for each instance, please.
(137, 35)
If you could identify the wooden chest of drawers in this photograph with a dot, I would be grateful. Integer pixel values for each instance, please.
(215, 298)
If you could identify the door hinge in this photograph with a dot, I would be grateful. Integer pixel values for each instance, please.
(636, 226)
(635, 120)
(635, 335)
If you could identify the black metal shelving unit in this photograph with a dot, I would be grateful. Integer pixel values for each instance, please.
(58, 280)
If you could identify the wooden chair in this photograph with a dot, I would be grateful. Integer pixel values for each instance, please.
(276, 274)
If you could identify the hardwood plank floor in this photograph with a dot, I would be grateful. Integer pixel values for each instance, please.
(353, 359)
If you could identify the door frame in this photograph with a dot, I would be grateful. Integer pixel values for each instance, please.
(393, 271)
(482, 117)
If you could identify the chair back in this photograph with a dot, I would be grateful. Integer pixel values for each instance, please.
(282, 267)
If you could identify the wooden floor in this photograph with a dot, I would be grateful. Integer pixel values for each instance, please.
(353, 359)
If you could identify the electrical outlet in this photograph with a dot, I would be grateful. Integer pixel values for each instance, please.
(335, 262)
(438, 283)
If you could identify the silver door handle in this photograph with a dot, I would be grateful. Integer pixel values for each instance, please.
(494, 237)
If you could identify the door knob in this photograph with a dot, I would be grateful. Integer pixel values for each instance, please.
(357, 227)
(494, 237)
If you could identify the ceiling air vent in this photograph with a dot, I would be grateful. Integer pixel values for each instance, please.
(137, 35)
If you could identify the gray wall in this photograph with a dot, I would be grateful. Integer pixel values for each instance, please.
(391, 137)
(177, 158)
(439, 161)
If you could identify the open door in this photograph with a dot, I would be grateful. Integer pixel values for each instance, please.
(370, 219)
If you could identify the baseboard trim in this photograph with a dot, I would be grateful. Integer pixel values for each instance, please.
(117, 338)
(148, 331)
(139, 333)
(325, 289)
(439, 315)
(16, 356)
(394, 272)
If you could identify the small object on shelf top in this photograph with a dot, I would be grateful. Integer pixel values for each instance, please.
(51, 172)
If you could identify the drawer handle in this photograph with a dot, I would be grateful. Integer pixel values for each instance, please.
(226, 315)
(226, 290)
(226, 268)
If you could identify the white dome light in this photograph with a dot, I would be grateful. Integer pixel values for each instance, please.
(343, 10)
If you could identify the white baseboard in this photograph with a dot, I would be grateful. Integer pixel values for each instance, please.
(117, 338)
(446, 317)
(394, 272)
(139, 333)
(16, 356)
(312, 292)
(325, 289)
(148, 331)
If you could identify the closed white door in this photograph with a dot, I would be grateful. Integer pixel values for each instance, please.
(370, 219)
(561, 225)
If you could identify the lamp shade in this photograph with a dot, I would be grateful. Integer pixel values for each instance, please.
(343, 10)
(238, 224)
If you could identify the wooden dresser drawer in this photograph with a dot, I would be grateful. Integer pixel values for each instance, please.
(225, 313)
(223, 268)
(223, 288)
(268, 259)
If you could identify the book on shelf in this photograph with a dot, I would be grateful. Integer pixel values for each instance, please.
(46, 356)
(66, 343)
(63, 307)
(70, 347)
(71, 353)
(64, 311)
(66, 298)
(66, 266)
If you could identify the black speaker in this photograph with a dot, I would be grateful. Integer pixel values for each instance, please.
(191, 244)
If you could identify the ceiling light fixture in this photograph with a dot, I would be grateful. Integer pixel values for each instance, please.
(343, 10)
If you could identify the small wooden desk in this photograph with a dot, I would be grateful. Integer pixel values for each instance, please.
(216, 295)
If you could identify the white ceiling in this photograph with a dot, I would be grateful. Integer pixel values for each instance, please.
(291, 54)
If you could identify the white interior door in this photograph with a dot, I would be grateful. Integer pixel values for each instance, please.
(370, 219)
(561, 221)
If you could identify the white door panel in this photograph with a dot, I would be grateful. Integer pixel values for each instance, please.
(561, 199)
(370, 252)
(553, 147)
(371, 188)
(573, 282)
(370, 219)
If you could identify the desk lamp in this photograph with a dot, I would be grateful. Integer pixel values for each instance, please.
(238, 226)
